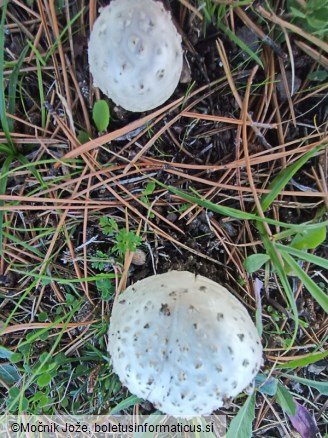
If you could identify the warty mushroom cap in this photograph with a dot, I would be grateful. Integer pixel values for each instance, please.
(183, 342)
(135, 54)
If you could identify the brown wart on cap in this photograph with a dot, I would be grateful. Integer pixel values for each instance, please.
(135, 54)
(183, 342)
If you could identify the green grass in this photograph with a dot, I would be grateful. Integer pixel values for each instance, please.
(51, 381)
(312, 16)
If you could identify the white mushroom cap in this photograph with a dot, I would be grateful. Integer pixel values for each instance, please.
(183, 342)
(135, 54)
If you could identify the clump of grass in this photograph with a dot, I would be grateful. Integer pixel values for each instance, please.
(311, 15)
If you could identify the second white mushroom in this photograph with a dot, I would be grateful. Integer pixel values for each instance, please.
(183, 342)
(135, 54)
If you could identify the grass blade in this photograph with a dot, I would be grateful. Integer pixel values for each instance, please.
(49, 355)
(41, 92)
(285, 176)
(278, 266)
(308, 257)
(322, 387)
(124, 404)
(240, 43)
(22, 159)
(319, 295)
(241, 425)
(304, 361)
(53, 47)
(232, 212)
(12, 87)
(3, 185)
(285, 400)
(3, 116)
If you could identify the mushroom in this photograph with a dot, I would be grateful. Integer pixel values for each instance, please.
(183, 342)
(135, 54)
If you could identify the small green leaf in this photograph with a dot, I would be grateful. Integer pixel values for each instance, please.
(37, 396)
(268, 385)
(24, 348)
(76, 406)
(64, 402)
(126, 241)
(59, 5)
(83, 137)
(60, 358)
(44, 380)
(108, 225)
(316, 4)
(44, 400)
(124, 404)
(318, 294)
(316, 23)
(322, 387)
(23, 404)
(43, 357)
(297, 13)
(106, 288)
(9, 374)
(101, 262)
(285, 400)
(44, 336)
(100, 115)
(255, 261)
(16, 357)
(5, 353)
(241, 424)
(150, 187)
(319, 75)
(14, 392)
(81, 369)
(45, 281)
(70, 298)
(43, 316)
(309, 239)
(304, 361)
